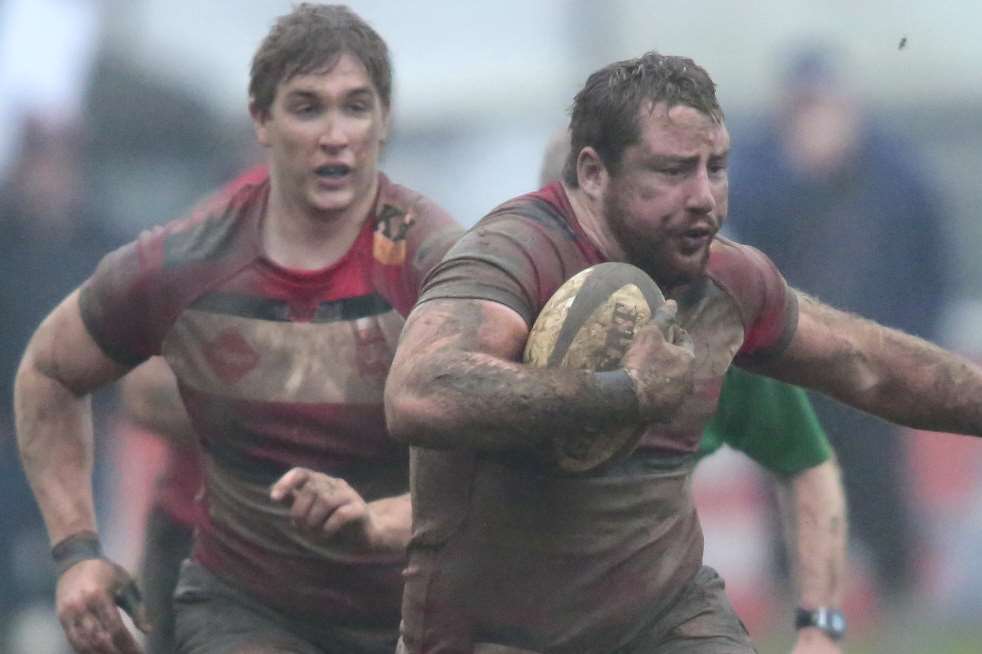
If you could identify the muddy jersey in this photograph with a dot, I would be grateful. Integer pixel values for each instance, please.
(505, 551)
(277, 368)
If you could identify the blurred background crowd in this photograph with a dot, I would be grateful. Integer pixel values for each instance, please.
(857, 132)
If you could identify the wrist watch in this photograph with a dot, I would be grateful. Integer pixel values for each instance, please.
(829, 620)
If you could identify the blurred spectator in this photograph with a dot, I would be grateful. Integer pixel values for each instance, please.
(94, 151)
(154, 147)
(844, 210)
(48, 241)
(46, 50)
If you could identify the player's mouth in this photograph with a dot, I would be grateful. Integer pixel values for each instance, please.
(697, 238)
(332, 174)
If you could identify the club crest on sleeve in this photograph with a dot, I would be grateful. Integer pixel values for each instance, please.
(391, 228)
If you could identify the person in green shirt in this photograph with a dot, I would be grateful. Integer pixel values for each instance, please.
(772, 423)
(775, 425)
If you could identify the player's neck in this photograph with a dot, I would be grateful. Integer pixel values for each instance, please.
(295, 237)
(591, 221)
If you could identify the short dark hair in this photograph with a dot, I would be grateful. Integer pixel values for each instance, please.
(605, 112)
(311, 38)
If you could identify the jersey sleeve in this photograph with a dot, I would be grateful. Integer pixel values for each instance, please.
(118, 303)
(434, 234)
(768, 305)
(130, 302)
(508, 259)
(412, 234)
(771, 422)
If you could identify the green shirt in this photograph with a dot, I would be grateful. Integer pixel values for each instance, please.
(772, 423)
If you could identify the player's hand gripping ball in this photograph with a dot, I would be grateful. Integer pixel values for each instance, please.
(589, 323)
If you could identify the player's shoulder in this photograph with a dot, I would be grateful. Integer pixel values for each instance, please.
(214, 227)
(739, 268)
(766, 304)
(399, 203)
(533, 228)
(726, 252)
(545, 210)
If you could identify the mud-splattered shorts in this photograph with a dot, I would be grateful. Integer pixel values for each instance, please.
(702, 621)
(214, 618)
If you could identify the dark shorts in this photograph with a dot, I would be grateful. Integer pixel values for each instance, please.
(702, 621)
(214, 618)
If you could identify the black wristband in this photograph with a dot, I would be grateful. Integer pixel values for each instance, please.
(618, 385)
(76, 548)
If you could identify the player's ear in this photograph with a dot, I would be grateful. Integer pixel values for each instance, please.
(260, 117)
(591, 173)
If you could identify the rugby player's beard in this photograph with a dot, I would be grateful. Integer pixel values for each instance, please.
(651, 256)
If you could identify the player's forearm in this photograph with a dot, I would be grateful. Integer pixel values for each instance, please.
(814, 514)
(894, 375)
(478, 401)
(54, 435)
(924, 387)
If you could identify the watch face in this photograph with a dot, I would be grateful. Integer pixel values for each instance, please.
(830, 621)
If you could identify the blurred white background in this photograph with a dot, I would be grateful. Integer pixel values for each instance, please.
(487, 81)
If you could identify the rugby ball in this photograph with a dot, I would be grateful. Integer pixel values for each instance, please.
(589, 323)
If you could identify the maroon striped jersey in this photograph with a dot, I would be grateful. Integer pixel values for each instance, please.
(277, 368)
(507, 551)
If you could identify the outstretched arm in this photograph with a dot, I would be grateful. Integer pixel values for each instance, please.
(61, 367)
(813, 511)
(896, 376)
(457, 382)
